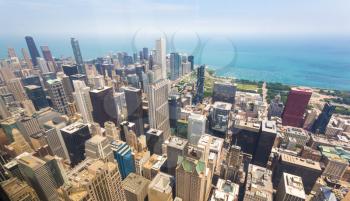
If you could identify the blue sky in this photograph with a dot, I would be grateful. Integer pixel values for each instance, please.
(104, 17)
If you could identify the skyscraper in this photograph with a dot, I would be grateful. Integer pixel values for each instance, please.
(37, 95)
(175, 148)
(16, 88)
(224, 92)
(290, 188)
(82, 100)
(135, 187)
(133, 99)
(160, 188)
(267, 137)
(38, 174)
(46, 53)
(174, 109)
(77, 56)
(200, 84)
(103, 105)
(11, 52)
(26, 58)
(17, 190)
(94, 180)
(196, 127)
(75, 135)
(98, 147)
(175, 64)
(123, 155)
(293, 114)
(158, 107)
(58, 96)
(191, 60)
(111, 131)
(161, 56)
(145, 53)
(322, 121)
(34, 53)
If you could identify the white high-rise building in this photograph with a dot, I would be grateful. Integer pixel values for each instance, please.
(58, 96)
(158, 107)
(161, 56)
(111, 131)
(196, 127)
(290, 188)
(98, 147)
(82, 100)
(43, 65)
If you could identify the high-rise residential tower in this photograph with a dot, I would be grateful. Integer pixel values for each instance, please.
(77, 55)
(161, 56)
(58, 96)
(82, 100)
(200, 84)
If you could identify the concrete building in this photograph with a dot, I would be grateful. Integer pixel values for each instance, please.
(219, 115)
(136, 187)
(335, 161)
(98, 147)
(140, 158)
(158, 112)
(290, 188)
(266, 141)
(230, 167)
(259, 184)
(300, 135)
(308, 170)
(154, 165)
(160, 57)
(155, 140)
(225, 191)
(19, 144)
(38, 174)
(111, 131)
(17, 190)
(82, 100)
(216, 145)
(196, 127)
(246, 135)
(16, 88)
(58, 96)
(175, 148)
(93, 180)
(160, 188)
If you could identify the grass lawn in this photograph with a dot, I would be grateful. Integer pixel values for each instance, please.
(247, 87)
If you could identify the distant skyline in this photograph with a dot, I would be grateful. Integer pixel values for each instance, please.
(108, 17)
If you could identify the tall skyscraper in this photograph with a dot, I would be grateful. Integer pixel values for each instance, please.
(174, 109)
(58, 96)
(47, 53)
(77, 55)
(155, 140)
(75, 135)
(293, 114)
(26, 58)
(290, 188)
(145, 53)
(11, 52)
(224, 92)
(94, 180)
(103, 105)
(200, 84)
(196, 127)
(111, 131)
(17, 190)
(16, 88)
(175, 148)
(34, 53)
(191, 60)
(123, 155)
(39, 175)
(133, 99)
(37, 95)
(161, 56)
(98, 147)
(158, 107)
(268, 133)
(82, 100)
(246, 135)
(135, 187)
(322, 121)
(175, 65)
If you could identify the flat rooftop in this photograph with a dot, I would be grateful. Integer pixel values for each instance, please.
(74, 127)
(135, 183)
(294, 185)
(177, 142)
(222, 105)
(301, 162)
(161, 183)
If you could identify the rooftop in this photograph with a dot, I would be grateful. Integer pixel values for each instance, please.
(222, 105)
(155, 162)
(301, 162)
(177, 142)
(135, 183)
(294, 185)
(259, 182)
(161, 183)
(74, 127)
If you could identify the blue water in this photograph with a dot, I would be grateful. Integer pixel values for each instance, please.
(308, 61)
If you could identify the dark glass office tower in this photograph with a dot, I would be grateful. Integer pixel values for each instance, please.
(103, 105)
(191, 60)
(33, 51)
(145, 53)
(133, 98)
(246, 135)
(31, 80)
(77, 55)
(75, 135)
(70, 69)
(322, 121)
(175, 64)
(200, 84)
(267, 137)
(174, 101)
(37, 95)
(46, 53)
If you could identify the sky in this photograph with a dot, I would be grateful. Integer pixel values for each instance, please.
(107, 17)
